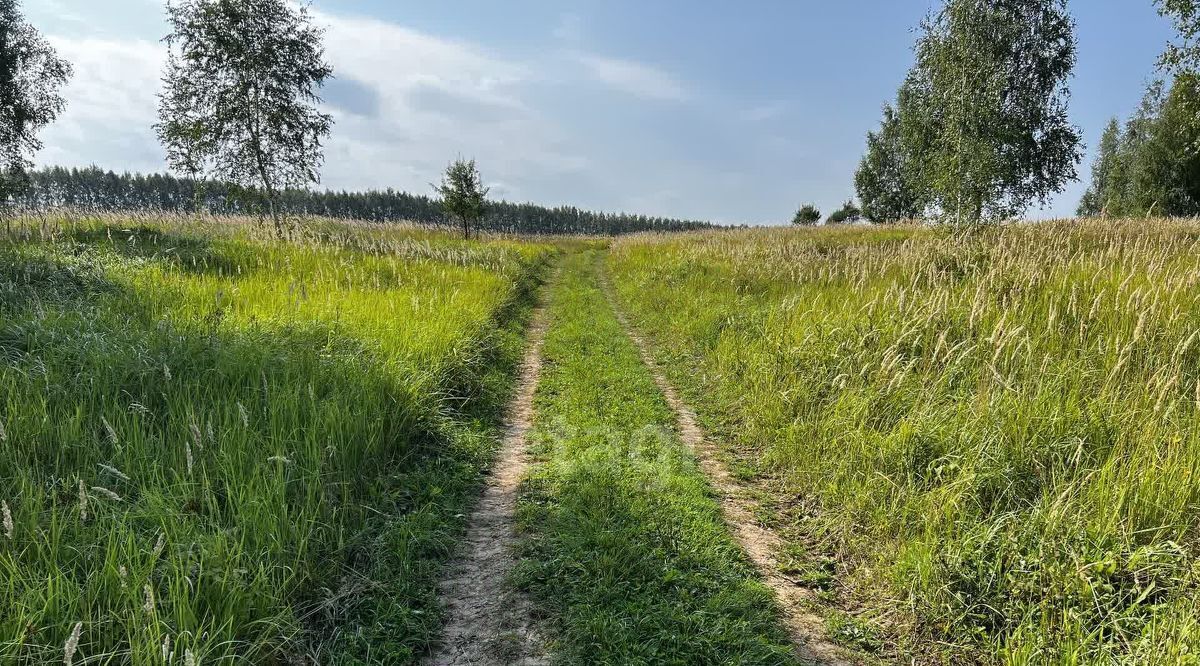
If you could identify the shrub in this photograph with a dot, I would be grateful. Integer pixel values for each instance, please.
(808, 215)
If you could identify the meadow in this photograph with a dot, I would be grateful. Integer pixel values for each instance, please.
(222, 447)
(219, 447)
(980, 446)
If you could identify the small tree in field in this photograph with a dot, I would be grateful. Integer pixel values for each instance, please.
(847, 214)
(463, 195)
(31, 75)
(239, 100)
(808, 215)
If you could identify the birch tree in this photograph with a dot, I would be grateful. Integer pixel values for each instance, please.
(31, 79)
(990, 87)
(240, 98)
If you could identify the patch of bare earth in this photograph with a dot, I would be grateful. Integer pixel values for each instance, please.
(488, 622)
(738, 508)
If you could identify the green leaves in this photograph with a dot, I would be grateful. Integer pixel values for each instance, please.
(980, 129)
(996, 77)
(808, 215)
(1151, 166)
(1097, 198)
(848, 213)
(1183, 55)
(463, 194)
(239, 101)
(887, 178)
(31, 75)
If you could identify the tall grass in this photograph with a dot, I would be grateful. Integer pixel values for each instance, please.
(624, 547)
(239, 449)
(996, 437)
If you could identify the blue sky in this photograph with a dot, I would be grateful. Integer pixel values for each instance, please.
(734, 112)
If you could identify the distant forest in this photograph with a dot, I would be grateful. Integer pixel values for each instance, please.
(95, 189)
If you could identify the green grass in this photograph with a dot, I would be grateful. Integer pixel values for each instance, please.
(624, 548)
(980, 448)
(259, 450)
(994, 438)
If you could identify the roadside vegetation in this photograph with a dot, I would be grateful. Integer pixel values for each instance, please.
(624, 546)
(981, 447)
(227, 446)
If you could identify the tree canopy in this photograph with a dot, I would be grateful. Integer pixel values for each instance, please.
(1152, 165)
(848, 213)
(807, 215)
(1184, 53)
(980, 129)
(31, 77)
(991, 77)
(888, 177)
(240, 94)
(464, 198)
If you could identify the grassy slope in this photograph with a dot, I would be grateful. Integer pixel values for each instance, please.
(624, 547)
(293, 432)
(996, 437)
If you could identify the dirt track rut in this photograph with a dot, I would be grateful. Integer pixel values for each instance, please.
(760, 544)
(487, 621)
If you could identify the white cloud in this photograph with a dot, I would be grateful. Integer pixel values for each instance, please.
(436, 99)
(397, 59)
(634, 78)
(405, 104)
(111, 105)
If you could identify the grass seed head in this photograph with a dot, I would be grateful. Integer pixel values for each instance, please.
(72, 644)
(101, 490)
(109, 430)
(8, 520)
(197, 436)
(114, 471)
(83, 501)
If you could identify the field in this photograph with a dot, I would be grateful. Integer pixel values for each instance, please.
(979, 447)
(220, 447)
(225, 446)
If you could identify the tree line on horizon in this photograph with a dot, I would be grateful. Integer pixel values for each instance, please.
(95, 189)
(1151, 164)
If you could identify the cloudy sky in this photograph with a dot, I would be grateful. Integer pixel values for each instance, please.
(726, 111)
